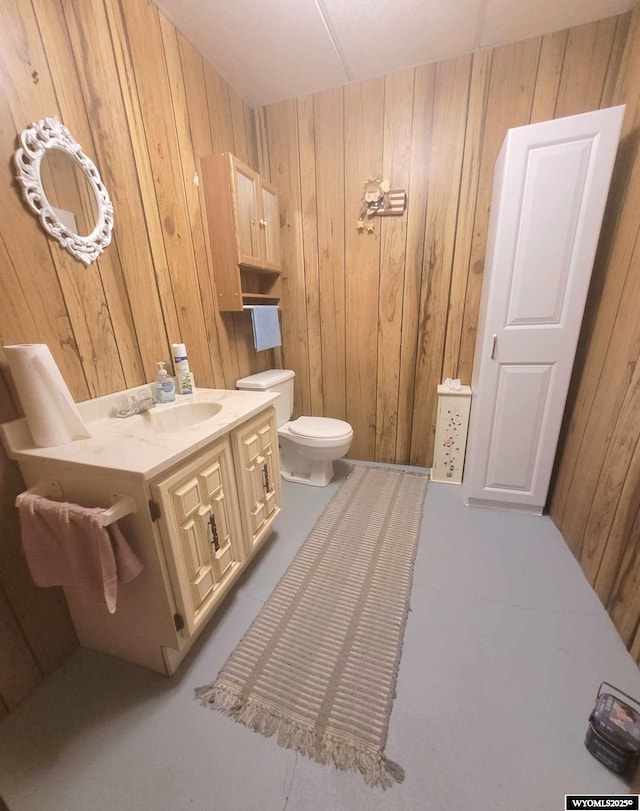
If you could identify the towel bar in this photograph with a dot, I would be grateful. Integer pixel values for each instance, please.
(122, 505)
(49, 489)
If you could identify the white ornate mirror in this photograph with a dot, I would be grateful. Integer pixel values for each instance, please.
(61, 185)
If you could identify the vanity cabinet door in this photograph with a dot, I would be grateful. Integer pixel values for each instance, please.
(201, 530)
(258, 471)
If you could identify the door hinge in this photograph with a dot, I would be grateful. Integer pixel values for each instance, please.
(178, 621)
(154, 510)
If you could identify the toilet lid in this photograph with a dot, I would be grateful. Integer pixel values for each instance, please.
(319, 427)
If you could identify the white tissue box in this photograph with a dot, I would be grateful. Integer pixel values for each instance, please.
(452, 424)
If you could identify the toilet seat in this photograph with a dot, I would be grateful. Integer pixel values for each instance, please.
(320, 428)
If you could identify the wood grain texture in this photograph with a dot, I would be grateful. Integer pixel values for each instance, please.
(310, 249)
(410, 323)
(423, 93)
(161, 142)
(145, 107)
(509, 103)
(595, 497)
(396, 164)
(282, 122)
(363, 153)
(328, 111)
(446, 152)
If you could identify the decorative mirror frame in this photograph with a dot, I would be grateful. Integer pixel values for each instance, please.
(46, 134)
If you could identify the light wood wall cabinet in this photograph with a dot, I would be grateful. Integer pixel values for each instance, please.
(243, 224)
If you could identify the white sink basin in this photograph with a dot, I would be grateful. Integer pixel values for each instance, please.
(170, 418)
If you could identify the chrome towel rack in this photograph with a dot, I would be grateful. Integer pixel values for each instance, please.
(122, 504)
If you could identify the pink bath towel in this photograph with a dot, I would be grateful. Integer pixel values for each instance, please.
(66, 545)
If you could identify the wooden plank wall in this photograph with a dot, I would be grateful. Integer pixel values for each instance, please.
(596, 497)
(389, 315)
(373, 322)
(145, 106)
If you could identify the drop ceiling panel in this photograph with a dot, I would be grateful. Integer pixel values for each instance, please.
(506, 21)
(381, 36)
(267, 51)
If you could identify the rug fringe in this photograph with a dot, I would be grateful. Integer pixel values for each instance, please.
(261, 717)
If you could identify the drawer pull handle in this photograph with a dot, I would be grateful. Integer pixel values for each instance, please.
(265, 478)
(214, 532)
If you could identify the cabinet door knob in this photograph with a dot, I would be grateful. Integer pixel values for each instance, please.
(263, 223)
(265, 478)
(214, 532)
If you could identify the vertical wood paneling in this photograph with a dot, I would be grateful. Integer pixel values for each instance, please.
(509, 102)
(308, 207)
(363, 132)
(423, 92)
(329, 164)
(371, 322)
(480, 74)
(585, 67)
(33, 307)
(144, 107)
(424, 307)
(447, 144)
(102, 319)
(161, 142)
(284, 157)
(396, 164)
(595, 499)
(197, 118)
(116, 127)
(549, 73)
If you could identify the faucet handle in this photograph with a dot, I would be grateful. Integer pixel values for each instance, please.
(125, 404)
(143, 400)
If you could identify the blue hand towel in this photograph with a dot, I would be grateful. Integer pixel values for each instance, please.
(266, 327)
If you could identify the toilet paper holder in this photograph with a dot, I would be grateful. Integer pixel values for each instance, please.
(121, 504)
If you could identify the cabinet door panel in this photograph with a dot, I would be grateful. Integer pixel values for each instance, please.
(245, 182)
(202, 586)
(186, 499)
(270, 222)
(190, 498)
(190, 545)
(210, 480)
(257, 463)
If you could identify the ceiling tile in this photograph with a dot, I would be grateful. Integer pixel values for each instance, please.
(381, 36)
(266, 51)
(506, 21)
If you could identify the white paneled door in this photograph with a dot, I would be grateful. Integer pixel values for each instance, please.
(549, 192)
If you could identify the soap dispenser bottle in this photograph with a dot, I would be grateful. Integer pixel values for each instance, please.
(165, 390)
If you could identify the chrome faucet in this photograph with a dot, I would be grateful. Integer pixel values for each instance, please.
(136, 403)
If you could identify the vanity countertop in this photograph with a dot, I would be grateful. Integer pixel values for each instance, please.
(130, 444)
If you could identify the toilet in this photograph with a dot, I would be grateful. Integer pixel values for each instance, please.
(309, 445)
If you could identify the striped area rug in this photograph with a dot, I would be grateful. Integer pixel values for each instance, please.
(318, 666)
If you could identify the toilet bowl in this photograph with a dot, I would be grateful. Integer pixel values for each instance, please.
(308, 445)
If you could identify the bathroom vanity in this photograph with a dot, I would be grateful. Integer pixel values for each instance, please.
(204, 474)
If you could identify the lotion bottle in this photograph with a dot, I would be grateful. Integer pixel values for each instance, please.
(165, 391)
(181, 365)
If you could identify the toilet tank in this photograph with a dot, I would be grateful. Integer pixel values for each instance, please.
(280, 380)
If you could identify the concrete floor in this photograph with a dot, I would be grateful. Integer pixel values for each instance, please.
(504, 650)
